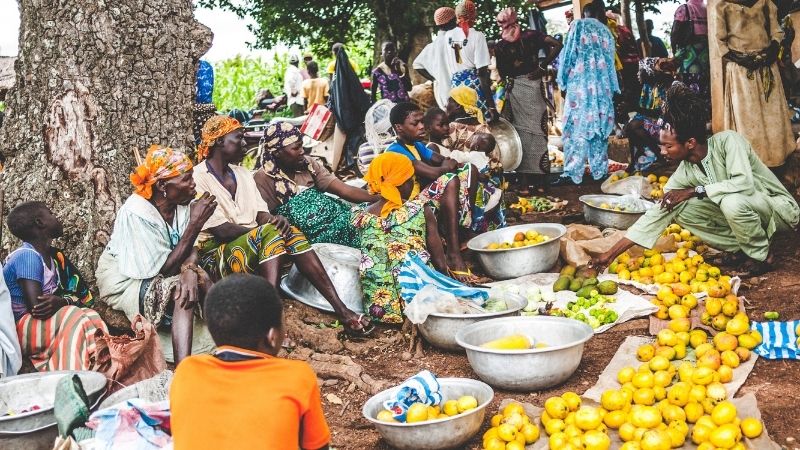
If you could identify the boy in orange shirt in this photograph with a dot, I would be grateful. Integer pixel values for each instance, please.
(242, 396)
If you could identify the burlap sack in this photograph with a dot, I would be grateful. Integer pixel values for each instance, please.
(127, 360)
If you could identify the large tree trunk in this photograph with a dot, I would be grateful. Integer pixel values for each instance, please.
(625, 12)
(642, 28)
(410, 31)
(95, 79)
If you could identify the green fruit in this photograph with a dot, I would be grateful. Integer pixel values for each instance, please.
(585, 291)
(568, 271)
(590, 282)
(607, 287)
(586, 272)
(576, 284)
(562, 284)
(772, 315)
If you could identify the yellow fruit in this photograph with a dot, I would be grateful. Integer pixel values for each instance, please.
(645, 417)
(556, 408)
(495, 422)
(558, 440)
(716, 392)
(513, 407)
(693, 411)
(680, 324)
(672, 413)
(751, 427)
(507, 432)
(697, 393)
(703, 376)
(702, 349)
(730, 307)
(667, 351)
(418, 412)
(680, 350)
(645, 352)
(588, 418)
(515, 445)
(713, 305)
(513, 342)
(659, 393)
(515, 419)
(676, 437)
(656, 440)
(747, 341)
(433, 413)
(625, 375)
(685, 371)
(700, 434)
(545, 418)
(656, 364)
(725, 436)
(662, 378)
(467, 402)
(626, 431)
(724, 341)
(386, 416)
(724, 412)
(744, 354)
(666, 337)
(697, 337)
(612, 400)
(710, 359)
(554, 426)
(678, 312)
(730, 359)
(644, 396)
(615, 419)
(573, 400)
(530, 432)
(596, 440)
(643, 380)
(738, 326)
(678, 394)
(689, 301)
(494, 443)
(451, 409)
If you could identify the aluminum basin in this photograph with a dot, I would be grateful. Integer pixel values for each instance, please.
(442, 434)
(341, 264)
(620, 220)
(504, 264)
(526, 370)
(20, 392)
(440, 329)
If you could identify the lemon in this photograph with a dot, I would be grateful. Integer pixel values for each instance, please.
(554, 426)
(625, 375)
(495, 422)
(418, 412)
(466, 402)
(725, 436)
(513, 407)
(573, 400)
(723, 413)
(507, 432)
(751, 427)
(530, 432)
(645, 417)
(556, 407)
(386, 416)
(596, 440)
(615, 419)
(515, 445)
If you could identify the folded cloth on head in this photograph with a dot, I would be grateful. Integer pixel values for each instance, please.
(421, 388)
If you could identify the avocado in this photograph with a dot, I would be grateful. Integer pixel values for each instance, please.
(586, 272)
(562, 284)
(607, 287)
(575, 284)
(590, 282)
(568, 271)
(585, 292)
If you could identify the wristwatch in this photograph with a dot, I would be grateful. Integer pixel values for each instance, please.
(700, 192)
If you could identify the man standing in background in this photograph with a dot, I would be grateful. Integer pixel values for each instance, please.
(293, 87)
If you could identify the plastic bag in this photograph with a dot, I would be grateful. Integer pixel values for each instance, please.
(421, 388)
(430, 300)
(633, 185)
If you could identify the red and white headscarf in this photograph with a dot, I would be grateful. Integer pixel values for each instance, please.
(467, 15)
(509, 27)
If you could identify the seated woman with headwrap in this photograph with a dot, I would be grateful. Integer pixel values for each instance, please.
(465, 118)
(390, 229)
(149, 266)
(294, 186)
(241, 235)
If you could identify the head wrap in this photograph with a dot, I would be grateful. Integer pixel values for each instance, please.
(509, 27)
(377, 126)
(443, 15)
(215, 128)
(161, 163)
(467, 14)
(279, 135)
(468, 98)
(385, 174)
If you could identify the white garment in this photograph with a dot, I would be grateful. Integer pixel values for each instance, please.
(293, 83)
(439, 58)
(10, 351)
(477, 159)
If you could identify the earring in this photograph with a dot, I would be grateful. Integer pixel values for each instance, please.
(165, 194)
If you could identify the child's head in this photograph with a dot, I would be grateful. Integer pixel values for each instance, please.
(245, 311)
(313, 69)
(406, 119)
(31, 220)
(482, 142)
(437, 124)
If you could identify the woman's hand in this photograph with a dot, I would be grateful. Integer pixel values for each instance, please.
(47, 306)
(185, 293)
(282, 224)
(202, 209)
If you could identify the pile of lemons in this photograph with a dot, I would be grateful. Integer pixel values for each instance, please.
(658, 183)
(572, 426)
(511, 429)
(420, 412)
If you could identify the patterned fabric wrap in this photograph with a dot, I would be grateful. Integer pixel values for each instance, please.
(694, 68)
(644, 157)
(161, 163)
(204, 84)
(245, 253)
(434, 191)
(201, 113)
(467, 93)
(527, 111)
(71, 284)
(467, 15)
(416, 274)
(507, 21)
(215, 127)
(322, 218)
(390, 84)
(421, 388)
(279, 135)
(386, 173)
(65, 341)
(779, 340)
(385, 242)
(586, 72)
(285, 187)
(157, 299)
(482, 220)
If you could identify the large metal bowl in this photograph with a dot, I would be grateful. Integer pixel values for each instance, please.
(504, 264)
(20, 392)
(620, 220)
(526, 370)
(442, 434)
(440, 329)
(509, 144)
(341, 264)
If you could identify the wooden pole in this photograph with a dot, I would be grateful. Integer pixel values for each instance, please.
(717, 72)
(576, 9)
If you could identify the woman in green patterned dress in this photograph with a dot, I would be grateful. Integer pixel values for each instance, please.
(390, 229)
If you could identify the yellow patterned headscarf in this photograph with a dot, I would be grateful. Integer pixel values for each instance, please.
(161, 163)
(215, 128)
(468, 98)
(385, 174)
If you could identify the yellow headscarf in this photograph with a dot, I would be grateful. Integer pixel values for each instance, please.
(385, 174)
(161, 163)
(214, 128)
(468, 98)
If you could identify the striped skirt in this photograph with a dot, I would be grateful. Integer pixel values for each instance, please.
(65, 341)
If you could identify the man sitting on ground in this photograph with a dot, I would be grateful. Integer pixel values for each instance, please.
(243, 396)
(721, 191)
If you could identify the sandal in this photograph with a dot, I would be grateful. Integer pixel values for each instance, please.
(350, 327)
(468, 278)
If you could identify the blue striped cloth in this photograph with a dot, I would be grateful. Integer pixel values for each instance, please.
(415, 274)
(779, 339)
(421, 388)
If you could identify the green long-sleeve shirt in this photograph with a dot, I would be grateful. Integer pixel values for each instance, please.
(730, 167)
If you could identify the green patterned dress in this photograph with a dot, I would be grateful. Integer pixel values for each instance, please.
(384, 245)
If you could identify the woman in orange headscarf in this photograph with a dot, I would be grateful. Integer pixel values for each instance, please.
(392, 227)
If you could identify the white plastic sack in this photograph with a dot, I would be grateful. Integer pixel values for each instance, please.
(431, 300)
(635, 185)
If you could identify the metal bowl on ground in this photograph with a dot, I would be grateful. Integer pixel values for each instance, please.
(341, 264)
(452, 432)
(621, 220)
(440, 329)
(504, 264)
(526, 370)
(21, 392)
(509, 144)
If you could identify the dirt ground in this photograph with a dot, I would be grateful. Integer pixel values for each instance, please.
(386, 359)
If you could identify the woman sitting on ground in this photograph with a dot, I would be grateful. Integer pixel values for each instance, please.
(294, 186)
(241, 235)
(57, 329)
(149, 266)
(465, 118)
(391, 228)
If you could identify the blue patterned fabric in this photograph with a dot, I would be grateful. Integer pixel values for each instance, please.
(470, 79)
(779, 339)
(204, 86)
(586, 72)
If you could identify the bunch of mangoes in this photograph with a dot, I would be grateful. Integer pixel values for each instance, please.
(583, 281)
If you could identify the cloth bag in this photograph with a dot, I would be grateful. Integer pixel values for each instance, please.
(126, 360)
(415, 275)
(779, 339)
(421, 388)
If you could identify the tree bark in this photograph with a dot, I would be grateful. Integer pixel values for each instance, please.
(625, 12)
(642, 28)
(95, 79)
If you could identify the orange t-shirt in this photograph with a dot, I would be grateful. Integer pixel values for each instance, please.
(261, 402)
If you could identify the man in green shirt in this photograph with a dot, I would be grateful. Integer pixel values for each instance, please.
(721, 191)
